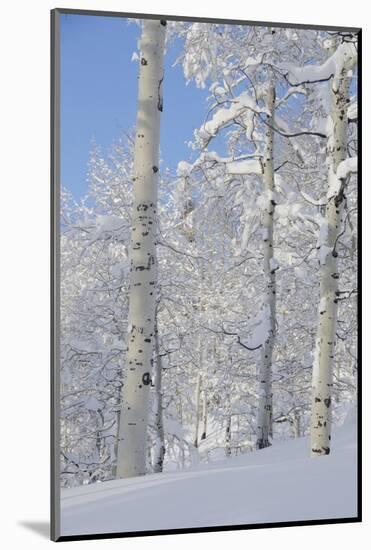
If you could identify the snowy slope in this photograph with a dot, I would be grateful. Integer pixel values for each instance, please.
(272, 485)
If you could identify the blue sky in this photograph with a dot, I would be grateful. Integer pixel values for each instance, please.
(99, 91)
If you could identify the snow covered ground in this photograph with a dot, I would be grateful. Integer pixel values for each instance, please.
(272, 485)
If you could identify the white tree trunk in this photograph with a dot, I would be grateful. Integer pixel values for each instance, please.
(327, 311)
(264, 420)
(228, 450)
(159, 452)
(131, 460)
(204, 414)
(197, 399)
(228, 425)
(296, 424)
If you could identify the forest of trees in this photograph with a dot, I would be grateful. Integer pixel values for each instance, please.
(213, 311)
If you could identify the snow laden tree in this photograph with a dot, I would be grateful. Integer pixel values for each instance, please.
(339, 70)
(243, 114)
(264, 420)
(340, 167)
(239, 230)
(94, 271)
(132, 434)
(159, 450)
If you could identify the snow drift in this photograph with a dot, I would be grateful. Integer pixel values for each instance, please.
(277, 484)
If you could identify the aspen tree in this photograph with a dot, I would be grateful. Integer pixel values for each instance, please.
(204, 414)
(159, 452)
(332, 228)
(197, 399)
(264, 421)
(131, 459)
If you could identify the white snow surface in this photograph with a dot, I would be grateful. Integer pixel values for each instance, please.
(353, 111)
(184, 168)
(347, 167)
(331, 67)
(277, 484)
(242, 167)
(223, 116)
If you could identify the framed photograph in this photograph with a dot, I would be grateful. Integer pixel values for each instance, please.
(205, 229)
